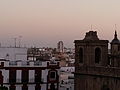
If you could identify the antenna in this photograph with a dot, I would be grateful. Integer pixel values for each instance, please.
(20, 41)
(15, 41)
(91, 27)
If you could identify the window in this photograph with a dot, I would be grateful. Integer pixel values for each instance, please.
(12, 63)
(37, 76)
(12, 76)
(105, 87)
(97, 55)
(52, 75)
(118, 48)
(25, 76)
(80, 55)
(3, 88)
(37, 63)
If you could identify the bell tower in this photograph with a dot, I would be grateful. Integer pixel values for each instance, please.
(115, 51)
(92, 69)
(91, 51)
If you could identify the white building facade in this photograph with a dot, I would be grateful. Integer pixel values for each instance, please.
(32, 75)
(13, 53)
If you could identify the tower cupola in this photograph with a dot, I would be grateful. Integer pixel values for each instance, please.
(91, 35)
(115, 40)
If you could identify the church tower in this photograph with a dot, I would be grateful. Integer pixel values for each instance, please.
(91, 51)
(115, 51)
(92, 71)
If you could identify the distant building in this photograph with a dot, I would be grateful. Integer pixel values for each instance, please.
(38, 53)
(95, 68)
(67, 78)
(60, 47)
(13, 53)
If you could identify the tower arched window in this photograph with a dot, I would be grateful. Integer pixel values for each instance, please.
(81, 55)
(97, 55)
(105, 87)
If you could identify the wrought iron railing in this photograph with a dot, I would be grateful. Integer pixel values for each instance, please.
(19, 81)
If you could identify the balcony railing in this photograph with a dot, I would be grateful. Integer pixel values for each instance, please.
(19, 81)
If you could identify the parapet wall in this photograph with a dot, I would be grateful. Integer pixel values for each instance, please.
(99, 71)
(28, 64)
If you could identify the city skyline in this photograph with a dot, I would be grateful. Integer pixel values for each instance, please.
(44, 23)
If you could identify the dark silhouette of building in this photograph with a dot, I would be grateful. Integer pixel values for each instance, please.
(95, 69)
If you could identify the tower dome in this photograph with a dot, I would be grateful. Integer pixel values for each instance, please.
(115, 40)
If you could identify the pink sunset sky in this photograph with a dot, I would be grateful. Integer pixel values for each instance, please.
(45, 22)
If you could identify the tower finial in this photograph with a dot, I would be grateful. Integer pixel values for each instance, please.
(115, 40)
(115, 36)
(115, 27)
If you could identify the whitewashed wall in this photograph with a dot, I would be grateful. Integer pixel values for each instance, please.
(12, 54)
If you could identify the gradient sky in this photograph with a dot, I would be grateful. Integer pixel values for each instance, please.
(45, 22)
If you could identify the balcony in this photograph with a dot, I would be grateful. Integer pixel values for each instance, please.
(19, 81)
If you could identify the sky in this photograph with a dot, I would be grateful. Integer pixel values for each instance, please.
(42, 23)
